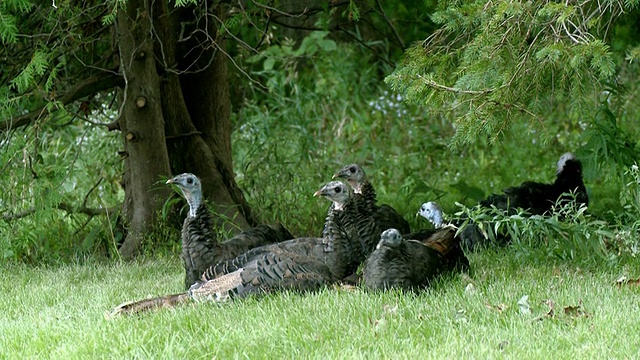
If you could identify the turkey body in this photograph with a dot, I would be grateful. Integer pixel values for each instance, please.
(200, 246)
(535, 197)
(299, 264)
(201, 250)
(385, 216)
(339, 248)
(410, 264)
(539, 198)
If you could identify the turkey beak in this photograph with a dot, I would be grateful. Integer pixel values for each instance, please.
(318, 193)
(170, 181)
(339, 174)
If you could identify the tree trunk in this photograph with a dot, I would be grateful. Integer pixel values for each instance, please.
(142, 126)
(197, 109)
(191, 108)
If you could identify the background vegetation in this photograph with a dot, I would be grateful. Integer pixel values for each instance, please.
(314, 103)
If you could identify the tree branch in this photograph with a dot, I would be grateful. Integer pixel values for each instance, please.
(432, 84)
(70, 209)
(86, 87)
(395, 32)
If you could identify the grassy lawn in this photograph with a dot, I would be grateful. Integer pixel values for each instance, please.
(58, 312)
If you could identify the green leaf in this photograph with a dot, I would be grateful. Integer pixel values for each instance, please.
(327, 44)
(268, 63)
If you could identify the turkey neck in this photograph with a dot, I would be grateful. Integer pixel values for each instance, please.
(199, 244)
(437, 220)
(570, 178)
(369, 195)
(368, 233)
(194, 199)
(341, 247)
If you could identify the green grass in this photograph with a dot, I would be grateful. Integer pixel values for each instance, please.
(58, 312)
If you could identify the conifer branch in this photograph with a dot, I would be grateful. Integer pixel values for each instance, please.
(434, 85)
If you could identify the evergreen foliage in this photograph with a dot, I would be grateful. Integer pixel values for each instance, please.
(495, 63)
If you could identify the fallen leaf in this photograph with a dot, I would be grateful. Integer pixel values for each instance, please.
(470, 288)
(503, 344)
(461, 316)
(624, 281)
(390, 310)
(523, 305)
(499, 308)
(633, 282)
(549, 313)
(551, 306)
(575, 311)
(379, 325)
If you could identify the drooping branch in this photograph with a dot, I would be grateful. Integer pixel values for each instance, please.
(390, 24)
(70, 209)
(84, 88)
(432, 84)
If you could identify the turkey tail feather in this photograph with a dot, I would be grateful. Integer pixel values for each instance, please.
(135, 307)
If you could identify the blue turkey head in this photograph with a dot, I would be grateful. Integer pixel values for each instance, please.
(432, 212)
(389, 237)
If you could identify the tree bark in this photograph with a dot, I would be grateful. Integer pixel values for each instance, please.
(142, 125)
(197, 108)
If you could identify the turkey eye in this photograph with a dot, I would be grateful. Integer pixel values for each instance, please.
(189, 181)
(352, 170)
(337, 190)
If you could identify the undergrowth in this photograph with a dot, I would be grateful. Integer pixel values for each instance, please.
(322, 107)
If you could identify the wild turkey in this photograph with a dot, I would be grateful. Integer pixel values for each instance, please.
(340, 247)
(408, 264)
(538, 198)
(298, 264)
(385, 216)
(200, 246)
(444, 238)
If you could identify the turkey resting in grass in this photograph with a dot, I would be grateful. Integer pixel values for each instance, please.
(432, 212)
(444, 238)
(534, 197)
(301, 264)
(340, 246)
(385, 216)
(200, 246)
(538, 198)
(410, 264)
